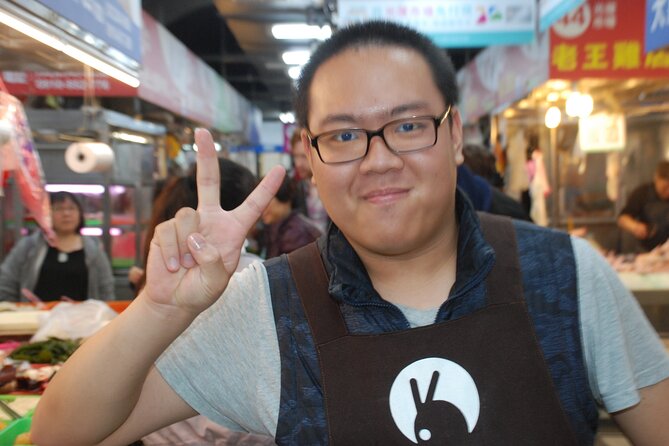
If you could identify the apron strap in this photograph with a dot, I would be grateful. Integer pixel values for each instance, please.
(311, 280)
(504, 283)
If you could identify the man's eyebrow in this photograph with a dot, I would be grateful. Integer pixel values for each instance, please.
(350, 119)
(339, 118)
(412, 106)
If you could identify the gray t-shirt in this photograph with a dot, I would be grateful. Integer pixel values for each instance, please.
(226, 365)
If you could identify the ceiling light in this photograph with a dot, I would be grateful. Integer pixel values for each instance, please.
(578, 104)
(59, 44)
(300, 31)
(553, 117)
(294, 71)
(296, 57)
(553, 96)
(287, 118)
(101, 66)
(31, 31)
(93, 189)
(217, 147)
(130, 137)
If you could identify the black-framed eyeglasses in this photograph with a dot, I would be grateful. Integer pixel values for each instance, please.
(401, 136)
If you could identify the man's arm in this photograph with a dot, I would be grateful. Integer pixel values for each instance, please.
(646, 424)
(108, 388)
(635, 227)
(108, 392)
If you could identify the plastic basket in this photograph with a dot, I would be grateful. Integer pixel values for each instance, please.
(14, 429)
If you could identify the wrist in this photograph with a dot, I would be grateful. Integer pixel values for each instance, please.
(163, 312)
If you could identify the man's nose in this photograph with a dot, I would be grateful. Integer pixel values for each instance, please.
(380, 157)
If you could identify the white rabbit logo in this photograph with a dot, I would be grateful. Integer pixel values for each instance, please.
(429, 387)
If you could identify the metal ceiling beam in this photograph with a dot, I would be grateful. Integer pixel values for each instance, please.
(170, 11)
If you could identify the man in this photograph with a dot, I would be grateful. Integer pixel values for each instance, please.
(306, 199)
(646, 213)
(336, 362)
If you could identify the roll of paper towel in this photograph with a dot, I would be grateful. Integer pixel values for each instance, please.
(85, 157)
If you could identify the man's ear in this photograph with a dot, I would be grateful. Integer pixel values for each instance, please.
(456, 136)
(306, 145)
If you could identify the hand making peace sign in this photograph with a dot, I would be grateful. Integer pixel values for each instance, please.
(193, 255)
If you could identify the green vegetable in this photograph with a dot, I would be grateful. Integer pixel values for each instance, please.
(51, 351)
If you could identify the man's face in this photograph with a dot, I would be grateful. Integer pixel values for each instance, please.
(662, 187)
(384, 203)
(300, 160)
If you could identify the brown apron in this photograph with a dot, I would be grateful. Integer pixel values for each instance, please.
(480, 379)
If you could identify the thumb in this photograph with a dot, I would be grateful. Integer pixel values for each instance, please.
(211, 265)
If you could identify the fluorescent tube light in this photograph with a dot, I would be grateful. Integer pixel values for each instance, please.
(296, 57)
(300, 31)
(97, 232)
(31, 31)
(294, 71)
(92, 189)
(61, 45)
(130, 137)
(287, 118)
(101, 66)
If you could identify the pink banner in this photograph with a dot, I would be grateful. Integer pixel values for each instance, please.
(175, 78)
(500, 75)
(19, 156)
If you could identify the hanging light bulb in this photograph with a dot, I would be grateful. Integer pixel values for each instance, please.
(553, 117)
(579, 105)
(586, 106)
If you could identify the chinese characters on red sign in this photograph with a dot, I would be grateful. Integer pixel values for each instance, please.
(604, 39)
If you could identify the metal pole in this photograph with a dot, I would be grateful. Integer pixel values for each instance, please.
(555, 174)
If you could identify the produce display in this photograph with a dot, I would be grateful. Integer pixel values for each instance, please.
(51, 351)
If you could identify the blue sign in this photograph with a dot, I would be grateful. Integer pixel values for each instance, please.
(451, 23)
(550, 11)
(116, 22)
(657, 25)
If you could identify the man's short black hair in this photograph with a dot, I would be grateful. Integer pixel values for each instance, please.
(381, 34)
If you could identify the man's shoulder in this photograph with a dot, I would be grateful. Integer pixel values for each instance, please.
(526, 229)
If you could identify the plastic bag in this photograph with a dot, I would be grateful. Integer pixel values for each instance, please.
(74, 320)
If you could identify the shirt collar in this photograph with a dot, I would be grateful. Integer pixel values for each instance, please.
(350, 283)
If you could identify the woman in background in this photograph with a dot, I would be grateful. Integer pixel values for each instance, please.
(286, 229)
(75, 267)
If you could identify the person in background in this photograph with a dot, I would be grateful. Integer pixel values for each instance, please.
(487, 198)
(412, 321)
(75, 267)
(646, 213)
(237, 182)
(482, 163)
(305, 198)
(286, 229)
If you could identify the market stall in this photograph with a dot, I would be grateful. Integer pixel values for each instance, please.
(34, 342)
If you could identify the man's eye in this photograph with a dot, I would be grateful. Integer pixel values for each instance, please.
(409, 126)
(344, 136)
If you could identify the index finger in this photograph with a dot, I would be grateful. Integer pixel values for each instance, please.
(208, 175)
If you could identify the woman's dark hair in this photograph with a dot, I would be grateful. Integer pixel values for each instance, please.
(237, 182)
(287, 190)
(376, 33)
(60, 197)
